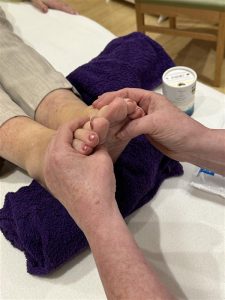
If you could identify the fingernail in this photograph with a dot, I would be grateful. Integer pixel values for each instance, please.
(128, 100)
(141, 111)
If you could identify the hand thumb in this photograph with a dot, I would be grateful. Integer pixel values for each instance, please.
(135, 128)
(101, 151)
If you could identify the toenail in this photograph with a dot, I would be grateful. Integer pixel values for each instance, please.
(91, 122)
(85, 147)
(92, 137)
(91, 125)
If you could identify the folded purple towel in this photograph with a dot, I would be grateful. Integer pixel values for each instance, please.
(33, 220)
(133, 60)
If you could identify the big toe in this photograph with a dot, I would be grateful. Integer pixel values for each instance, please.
(116, 111)
(100, 125)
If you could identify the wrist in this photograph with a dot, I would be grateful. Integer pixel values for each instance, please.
(101, 224)
(196, 142)
(209, 150)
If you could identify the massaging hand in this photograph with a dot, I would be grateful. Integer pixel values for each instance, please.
(44, 5)
(167, 128)
(85, 185)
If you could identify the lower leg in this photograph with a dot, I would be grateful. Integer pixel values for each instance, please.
(23, 142)
(59, 107)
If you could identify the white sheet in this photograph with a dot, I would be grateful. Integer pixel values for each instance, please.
(181, 231)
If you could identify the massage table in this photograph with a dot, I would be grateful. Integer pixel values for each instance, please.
(180, 231)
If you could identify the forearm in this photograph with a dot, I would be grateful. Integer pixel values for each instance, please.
(209, 151)
(124, 271)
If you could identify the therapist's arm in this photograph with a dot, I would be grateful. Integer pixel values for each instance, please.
(85, 185)
(172, 131)
(124, 271)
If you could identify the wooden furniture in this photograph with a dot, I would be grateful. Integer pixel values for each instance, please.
(211, 11)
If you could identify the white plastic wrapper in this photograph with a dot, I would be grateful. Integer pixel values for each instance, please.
(209, 181)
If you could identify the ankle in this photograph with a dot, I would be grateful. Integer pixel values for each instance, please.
(35, 159)
(59, 107)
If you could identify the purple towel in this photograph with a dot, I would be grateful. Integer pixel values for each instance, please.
(134, 60)
(36, 223)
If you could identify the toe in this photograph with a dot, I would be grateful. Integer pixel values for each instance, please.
(89, 137)
(81, 147)
(115, 112)
(100, 126)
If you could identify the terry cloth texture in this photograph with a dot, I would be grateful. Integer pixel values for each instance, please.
(36, 223)
(133, 60)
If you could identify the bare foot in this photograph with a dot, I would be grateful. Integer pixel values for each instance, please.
(86, 139)
(117, 113)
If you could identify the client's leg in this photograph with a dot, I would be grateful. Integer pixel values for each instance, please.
(61, 106)
(118, 114)
(23, 142)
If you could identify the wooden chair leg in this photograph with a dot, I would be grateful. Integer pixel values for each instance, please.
(220, 49)
(140, 18)
(172, 22)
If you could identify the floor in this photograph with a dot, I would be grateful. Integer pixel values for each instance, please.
(118, 16)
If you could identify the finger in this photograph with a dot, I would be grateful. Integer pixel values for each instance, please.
(68, 9)
(131, 105)
(138, 113)
(147, 100)
(135, 128)
(138, 95)
(106, 99)
(81, 147)
(58, 5)
(101, 154)
(40, 5)
(89, 137)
